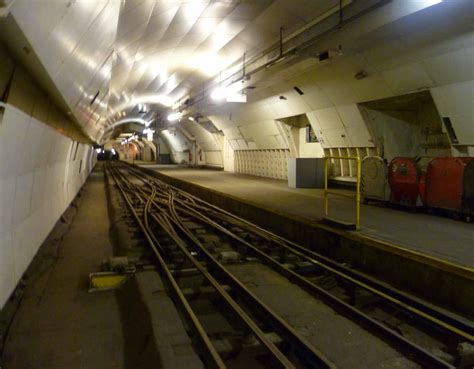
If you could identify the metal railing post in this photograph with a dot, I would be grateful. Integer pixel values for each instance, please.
(326, 202)
(359, 172)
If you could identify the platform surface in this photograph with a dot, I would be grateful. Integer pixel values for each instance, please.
(447, 239)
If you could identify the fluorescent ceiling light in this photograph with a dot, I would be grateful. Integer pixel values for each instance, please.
(218, 94)
(174, 116)
(230, 93)
(431, 2)
(143, 99)
(129, 120)
(238, 98)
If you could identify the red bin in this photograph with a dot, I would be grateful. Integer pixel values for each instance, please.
(445, 183)
(406, 180)
(468, 196)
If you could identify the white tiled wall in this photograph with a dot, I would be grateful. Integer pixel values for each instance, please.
(38, 179)
(263, 163)
(73, 40)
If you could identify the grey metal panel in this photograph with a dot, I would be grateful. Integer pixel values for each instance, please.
(306, 172)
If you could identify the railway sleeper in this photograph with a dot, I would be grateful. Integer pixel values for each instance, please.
(466, 355)
(227, 347)
(203, 290)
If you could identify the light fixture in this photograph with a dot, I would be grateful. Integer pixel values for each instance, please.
(192, 119)
(143, 99)
(428, 3)
(149, 133)
(237, 98)
(218, 94)
(174, 116)
(142, 108)
(231, 93)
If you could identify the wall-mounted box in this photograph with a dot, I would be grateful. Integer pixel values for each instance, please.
(306, 172)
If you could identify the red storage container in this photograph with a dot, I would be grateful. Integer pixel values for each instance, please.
(468, 197)
(406, 180)
(445, 183)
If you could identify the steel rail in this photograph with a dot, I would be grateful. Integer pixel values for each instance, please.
(451, 323)
(401, 343)
(312, 354)
(211, 354)
(277, 354)
(461, 329)
(316, 358)
(454, 325)
(260, 335)
(396, 339)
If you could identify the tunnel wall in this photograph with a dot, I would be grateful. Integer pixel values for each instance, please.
(41, 171)
(425, 51)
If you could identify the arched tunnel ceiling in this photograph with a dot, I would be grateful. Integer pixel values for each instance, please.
(166, 48)
(107, 56)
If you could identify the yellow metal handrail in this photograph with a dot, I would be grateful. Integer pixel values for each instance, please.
(327, 192)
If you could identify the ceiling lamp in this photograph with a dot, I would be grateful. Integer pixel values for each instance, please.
(231, 93)
(237, 98)
(142, 108)
(174, 116)
(218, 94)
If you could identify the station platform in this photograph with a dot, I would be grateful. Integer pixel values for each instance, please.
(441, 239)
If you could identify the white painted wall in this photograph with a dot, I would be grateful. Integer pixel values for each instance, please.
(396, 133)
(308, 149)
(456, 102)
(178, 144)
(229, 158)
(41, 171)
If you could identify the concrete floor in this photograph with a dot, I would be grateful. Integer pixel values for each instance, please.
(444, 238)
(59, 323)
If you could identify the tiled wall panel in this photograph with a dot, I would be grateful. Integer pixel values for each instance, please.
(38, 180)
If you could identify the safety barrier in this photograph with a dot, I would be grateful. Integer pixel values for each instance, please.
(327, 192)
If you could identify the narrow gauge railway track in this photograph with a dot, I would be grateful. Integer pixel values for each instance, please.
(249, 321)
(336, 284)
